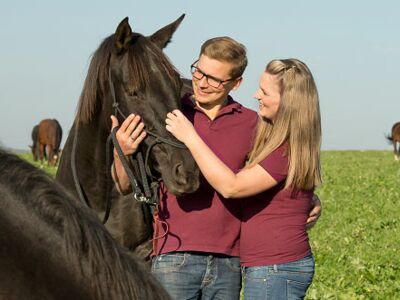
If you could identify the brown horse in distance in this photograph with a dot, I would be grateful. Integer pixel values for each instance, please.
(395, 138)
(47, 146)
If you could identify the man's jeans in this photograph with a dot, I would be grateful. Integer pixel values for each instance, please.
(196, 275)
(276, 282)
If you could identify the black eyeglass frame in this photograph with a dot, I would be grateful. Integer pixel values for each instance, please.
(194, 68)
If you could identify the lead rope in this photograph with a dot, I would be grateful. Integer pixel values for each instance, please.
(77, 184)
(138, 195)
(157, 223)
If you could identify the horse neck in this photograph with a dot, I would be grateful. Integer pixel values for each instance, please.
(90, 156)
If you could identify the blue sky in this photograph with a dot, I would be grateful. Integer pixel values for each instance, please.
(352, 48)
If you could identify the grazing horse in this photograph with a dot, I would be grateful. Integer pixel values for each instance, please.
(54, 247)
(34, 147)
(128, 73)
(49, 135)
(395, 138)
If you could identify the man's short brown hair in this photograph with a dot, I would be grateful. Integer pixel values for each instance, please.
(226, 49)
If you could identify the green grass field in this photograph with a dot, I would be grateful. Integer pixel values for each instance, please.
(356, 242)
(45, 167)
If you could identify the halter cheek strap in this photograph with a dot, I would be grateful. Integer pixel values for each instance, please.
(150, 191)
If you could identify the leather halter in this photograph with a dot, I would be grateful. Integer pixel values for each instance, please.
(149, 195)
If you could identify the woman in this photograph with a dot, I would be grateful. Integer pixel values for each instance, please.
(279, 179)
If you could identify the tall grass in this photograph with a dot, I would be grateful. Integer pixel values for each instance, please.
(356, 242)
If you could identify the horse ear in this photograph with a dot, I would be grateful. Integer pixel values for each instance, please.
(123, 36)
(163, 36)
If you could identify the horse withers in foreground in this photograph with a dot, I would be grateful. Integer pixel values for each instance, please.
(129, 72)
(46, 138)
(395, 139)
(54, 247)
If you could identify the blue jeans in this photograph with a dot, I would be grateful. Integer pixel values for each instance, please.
(194, 275)
(287, 281)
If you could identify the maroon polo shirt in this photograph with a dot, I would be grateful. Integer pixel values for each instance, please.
(205, 221)
(273, 227)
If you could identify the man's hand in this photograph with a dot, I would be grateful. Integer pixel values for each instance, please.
(315, 213)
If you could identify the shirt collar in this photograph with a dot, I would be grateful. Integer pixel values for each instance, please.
(231, 106)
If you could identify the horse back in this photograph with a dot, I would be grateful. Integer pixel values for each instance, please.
(52, 247)
(32, 247)
(50, 133)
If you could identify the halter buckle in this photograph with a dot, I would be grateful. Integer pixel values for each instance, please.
(142, 198)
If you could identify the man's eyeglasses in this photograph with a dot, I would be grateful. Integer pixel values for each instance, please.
(212, 81)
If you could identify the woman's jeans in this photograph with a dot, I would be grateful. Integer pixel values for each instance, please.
(194, 275)
(283, 281)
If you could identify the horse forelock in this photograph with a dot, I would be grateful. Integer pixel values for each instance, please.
(142, 55)
(145, 55)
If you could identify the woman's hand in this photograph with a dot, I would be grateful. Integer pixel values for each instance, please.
(129, 137)
(180, 126)
(130, 134)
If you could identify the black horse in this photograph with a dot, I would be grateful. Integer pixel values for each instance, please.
(34, 147)
(130, 71)
(54, 247)
(394, 138)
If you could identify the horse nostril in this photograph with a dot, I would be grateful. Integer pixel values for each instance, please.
(179, 174)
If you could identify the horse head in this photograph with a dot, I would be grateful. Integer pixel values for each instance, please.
(146, 83)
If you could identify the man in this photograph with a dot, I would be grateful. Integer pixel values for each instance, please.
(198, 254)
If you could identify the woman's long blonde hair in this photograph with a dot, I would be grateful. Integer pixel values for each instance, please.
(297, 122)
